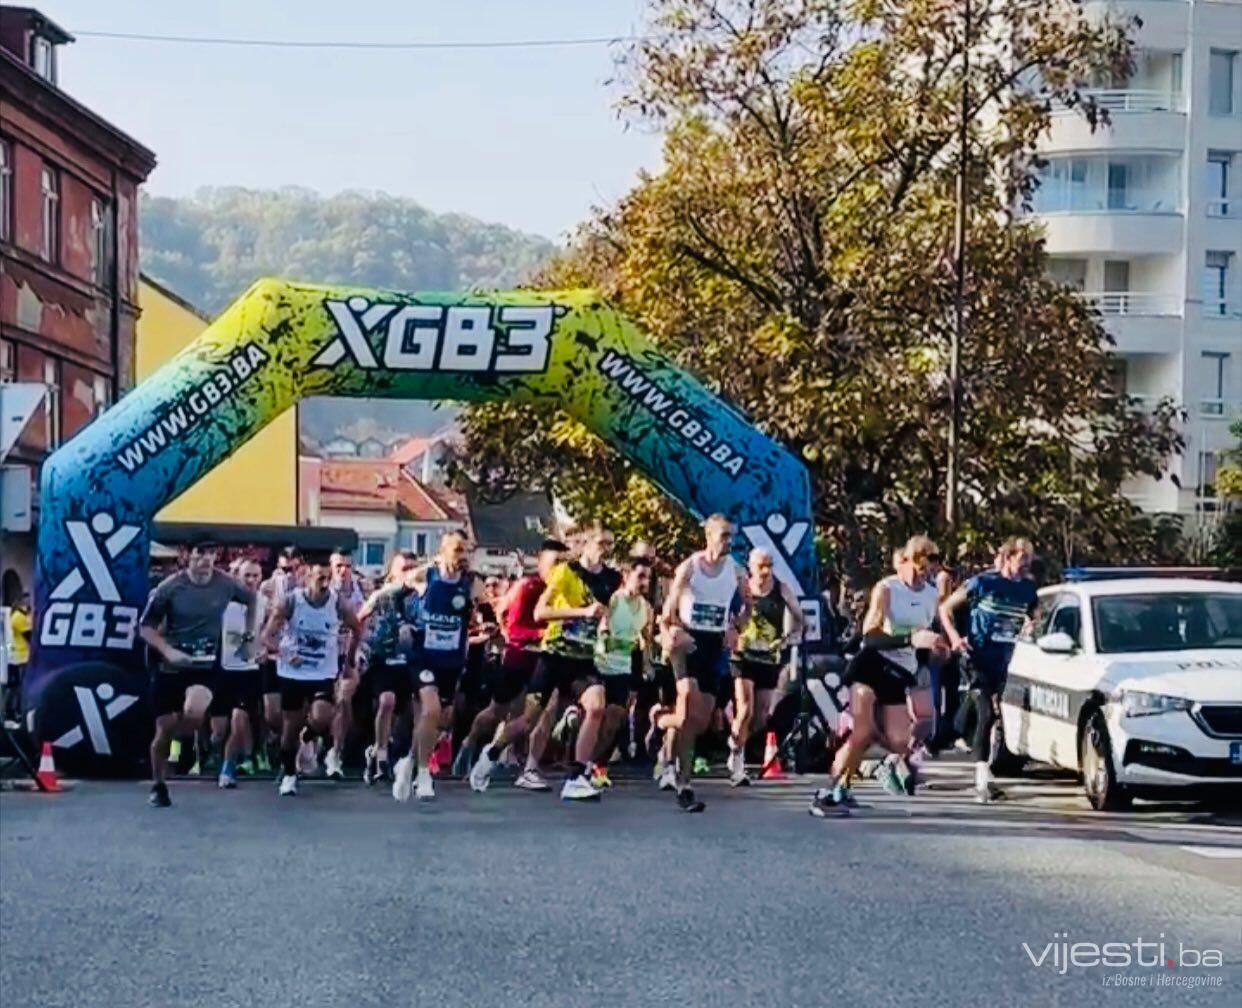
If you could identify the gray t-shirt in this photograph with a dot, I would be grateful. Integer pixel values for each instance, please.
(190, 615)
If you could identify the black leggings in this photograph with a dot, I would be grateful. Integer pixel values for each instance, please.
(987, 692)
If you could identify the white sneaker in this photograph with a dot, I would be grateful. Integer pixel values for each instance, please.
(740, 779)
(426, 789)
(403, 778)
(481, 772)
(333, 766)
(289, 785)
(578, 789)
(668, 778)
(736, 763)
(532, 780)
(226, 782)
(308, 758)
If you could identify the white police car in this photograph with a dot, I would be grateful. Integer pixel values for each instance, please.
(1135, 683)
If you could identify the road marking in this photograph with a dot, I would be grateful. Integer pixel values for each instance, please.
(1216, 852)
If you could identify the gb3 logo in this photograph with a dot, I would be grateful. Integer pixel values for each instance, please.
(106, 623)
(425, 337)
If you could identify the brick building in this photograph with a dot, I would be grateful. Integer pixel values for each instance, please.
(68, 251)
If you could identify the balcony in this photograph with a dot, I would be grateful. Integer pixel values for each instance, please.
(1133, 100)
(1140, 322)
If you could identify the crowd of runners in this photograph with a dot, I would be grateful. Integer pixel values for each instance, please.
(581, 658)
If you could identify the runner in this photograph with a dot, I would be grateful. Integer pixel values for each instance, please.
(1002, 605)
(181, 624)
(286, 576)
(622, 657)
(523, 634)
(390, 615)
(439, 658)
(346, 587)
(699, 630)
(240, 687)
(763, 650)
(896, 629)
(310, 618)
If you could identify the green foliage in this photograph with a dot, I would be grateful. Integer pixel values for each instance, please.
(1227, 547)
(796, 249)
(212, 246)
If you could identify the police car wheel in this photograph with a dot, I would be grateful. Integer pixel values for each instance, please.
(1098, 776)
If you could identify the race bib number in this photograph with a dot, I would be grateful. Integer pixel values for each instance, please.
(311, 647)
(202, 652)
(582, 631)
(708, 616)
(1005, 629)
(442, 639)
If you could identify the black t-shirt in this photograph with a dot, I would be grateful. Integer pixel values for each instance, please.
(603, 583)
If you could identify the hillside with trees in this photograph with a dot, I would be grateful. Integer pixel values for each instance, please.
(211, 246)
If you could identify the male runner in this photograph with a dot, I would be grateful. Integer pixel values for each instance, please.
(1003, 604)
(439, 658)
(700, 628)
(181, 624)
(310, 618)
(346, 587)
(622, 658)
(389, 616)
(762, 651)
(513, 710)
(572, 604)
(897, 638)
(286, 576)
(239, 670)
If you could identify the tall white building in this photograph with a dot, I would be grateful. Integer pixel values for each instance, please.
(1145, 218)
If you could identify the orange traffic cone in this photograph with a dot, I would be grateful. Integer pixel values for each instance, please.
(771, 759)
(47, 776)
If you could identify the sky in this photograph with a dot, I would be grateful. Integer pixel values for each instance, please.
(524, 137)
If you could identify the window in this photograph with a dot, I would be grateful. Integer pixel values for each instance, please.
(1209, 466)
(1216, 283)
(1116, 275)
(8, 361)
(371, 553)
(51, 408)
(1221, 74)
(1215, 365)
(1067, 620)
(1167, 622)
(420, 543)
(1175, 73)
(101, 242)
(43, 58)
(51, 215)
(1070, 272)
(1217, 189)
(6, 189)
(102, 393)
(1117, 174)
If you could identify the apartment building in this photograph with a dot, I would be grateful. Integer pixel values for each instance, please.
(1144, 217)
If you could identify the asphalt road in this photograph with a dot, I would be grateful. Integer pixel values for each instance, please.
(340, 897)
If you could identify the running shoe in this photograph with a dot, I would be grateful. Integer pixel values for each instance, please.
(532, 780)
(481, 772)
(824, 805)
(701, 766)
(736, 763)
(989, 794)
(383, 772)
(907, 775)
(578, 789)
(159, 795)
(289, 786)
(246, 768)
(668, 778)
(332, 765)
(887, 777)
(308, 758)
(740, 779)
(425, 790)
(599, 777)
(403, 780)
(568, 723)
(228, 776)
(370, 767)
(687, 802)
(463, 762)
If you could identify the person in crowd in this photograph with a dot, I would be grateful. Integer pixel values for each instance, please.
(20, 630)
(239, 692)
(346, 586)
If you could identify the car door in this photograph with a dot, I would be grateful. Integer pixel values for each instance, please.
(1042, 690)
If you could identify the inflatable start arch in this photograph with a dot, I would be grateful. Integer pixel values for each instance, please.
(282, 342)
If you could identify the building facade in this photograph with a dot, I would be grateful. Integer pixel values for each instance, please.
(68, 251)
(1144, 218)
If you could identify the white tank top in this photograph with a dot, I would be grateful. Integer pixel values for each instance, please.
(312, 634)
(705, 601)
(240, 650)
(908, 609)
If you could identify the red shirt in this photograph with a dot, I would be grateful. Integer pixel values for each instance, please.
(520, 626)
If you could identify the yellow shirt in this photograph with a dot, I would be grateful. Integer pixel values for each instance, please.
(568, 591)
(19, 632)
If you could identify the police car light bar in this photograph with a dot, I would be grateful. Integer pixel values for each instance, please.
(1124, 573)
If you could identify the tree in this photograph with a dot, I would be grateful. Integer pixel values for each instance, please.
(1227, 547)
(794, 251)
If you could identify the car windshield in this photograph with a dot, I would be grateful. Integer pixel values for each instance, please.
(1175, 621)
